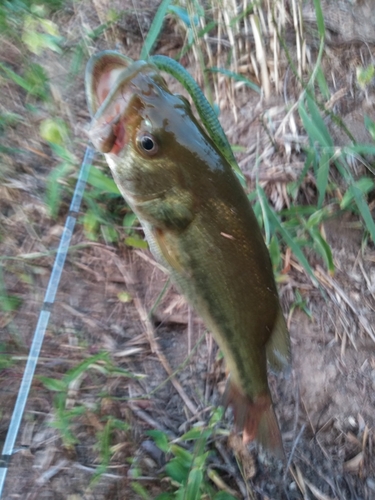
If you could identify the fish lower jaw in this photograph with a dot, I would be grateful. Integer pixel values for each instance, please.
(131, 198)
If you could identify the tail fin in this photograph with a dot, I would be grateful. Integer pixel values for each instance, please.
(256, 418)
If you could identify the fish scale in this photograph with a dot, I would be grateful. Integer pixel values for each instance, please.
(199, 224)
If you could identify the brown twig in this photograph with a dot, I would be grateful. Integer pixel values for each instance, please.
(327, 280)
(231, 469)
(163, 360)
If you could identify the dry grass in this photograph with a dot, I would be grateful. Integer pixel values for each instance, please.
(326, 408)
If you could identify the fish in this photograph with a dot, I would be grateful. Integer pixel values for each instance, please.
(199, 225)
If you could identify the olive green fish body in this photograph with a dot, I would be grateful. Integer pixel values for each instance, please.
(201, 227)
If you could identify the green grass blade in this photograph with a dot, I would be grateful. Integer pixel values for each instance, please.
(7, 302)
(16, 78)
(318, 122)
(358, 197)
(264, 205)
(298, 211)
(323, 248)
(249, 9)
(364, 210)
(209, 26)
(291, 242)
(370, 126)
(176, 471)
(322, 177)
(361, 149)
(223, 495)
(78, 370)
(102, 182)
(54, 186)
(322, 82)
(194, 484)
(236, 77)
(155, 29)
(160, 438)
(53, 384)
(364, 184)
(307, 165)
(319, 18)
(318, 216)
(183, 15)
(313, 132)
(275, 254)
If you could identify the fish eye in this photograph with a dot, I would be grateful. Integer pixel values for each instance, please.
(147, 143)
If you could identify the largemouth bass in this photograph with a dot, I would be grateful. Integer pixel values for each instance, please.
(199, 224)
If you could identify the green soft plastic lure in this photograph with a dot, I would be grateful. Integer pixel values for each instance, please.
(180, 180)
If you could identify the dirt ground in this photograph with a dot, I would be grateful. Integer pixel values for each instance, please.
(326, 405)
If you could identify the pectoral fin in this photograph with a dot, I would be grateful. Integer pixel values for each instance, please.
(278, 346)
(172, 212)
(167, 252)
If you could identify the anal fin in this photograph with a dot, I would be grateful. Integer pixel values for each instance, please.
(278, 346)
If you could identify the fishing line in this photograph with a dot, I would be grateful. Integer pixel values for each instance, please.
(44, 315)
(139, 24)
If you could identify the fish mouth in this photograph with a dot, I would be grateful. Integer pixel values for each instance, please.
(115, 91)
